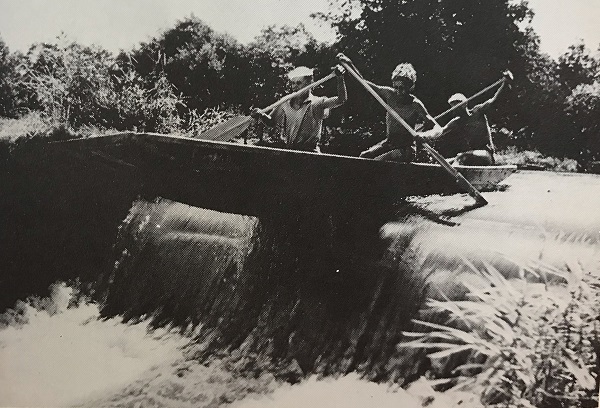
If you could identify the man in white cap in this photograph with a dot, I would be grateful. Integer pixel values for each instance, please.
(399, 144)
(469, 133)
(297, 124)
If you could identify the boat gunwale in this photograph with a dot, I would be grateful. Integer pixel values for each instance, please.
(182, 140)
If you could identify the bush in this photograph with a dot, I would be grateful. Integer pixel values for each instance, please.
(198, 123)
(533, 159)
(584, 107)
(526, 344)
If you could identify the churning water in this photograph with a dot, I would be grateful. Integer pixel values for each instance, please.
(204, 273)
(57, 353)
(53, 355)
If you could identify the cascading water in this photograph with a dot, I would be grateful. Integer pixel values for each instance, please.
(268, 287)
(306, 290)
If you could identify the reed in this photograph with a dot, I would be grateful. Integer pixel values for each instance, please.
(518, 342)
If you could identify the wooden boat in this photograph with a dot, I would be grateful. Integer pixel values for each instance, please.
(237, 178)
(484, 178)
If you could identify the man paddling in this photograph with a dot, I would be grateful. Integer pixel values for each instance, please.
(469, 132)
(297, 124)
(399, 144)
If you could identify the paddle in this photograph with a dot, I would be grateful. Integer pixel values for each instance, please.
(232, 128)
(484, 90)
(459, 178)
(469, 99)
(507, 74)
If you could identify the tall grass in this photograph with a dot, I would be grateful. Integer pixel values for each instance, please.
(518, 342)
(201, 122)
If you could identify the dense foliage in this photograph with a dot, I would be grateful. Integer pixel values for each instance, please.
(519, 342)
(188, 72)
(7, 90)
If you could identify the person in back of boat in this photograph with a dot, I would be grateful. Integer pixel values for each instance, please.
(297, 124)
(399, 144)
(469, 133)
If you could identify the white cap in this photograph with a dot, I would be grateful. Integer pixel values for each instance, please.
(300, 72)
(457, 97)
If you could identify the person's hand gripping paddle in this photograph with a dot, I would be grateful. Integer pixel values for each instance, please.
(234, 127)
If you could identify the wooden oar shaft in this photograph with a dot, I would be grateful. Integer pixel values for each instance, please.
(298, 92)
(459, 178)
(469, 99)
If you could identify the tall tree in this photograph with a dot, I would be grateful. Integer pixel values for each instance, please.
(583, 105)
(579, 71)
(274, 52)
(8, 103)
(205, 66)
(455, 45)
(578, 66)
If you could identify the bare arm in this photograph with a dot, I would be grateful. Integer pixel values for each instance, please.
(342, 95)
(453, 124)
(382, 91)
(436, 129)
(276, 123)
(486, 105)
(257, 114)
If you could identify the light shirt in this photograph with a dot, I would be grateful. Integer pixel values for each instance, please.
(301, 128)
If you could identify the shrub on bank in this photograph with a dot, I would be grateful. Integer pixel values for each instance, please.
(519, 343)
(36, 128)
(533, 159)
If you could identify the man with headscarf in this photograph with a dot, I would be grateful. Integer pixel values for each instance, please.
(399, 144)
(469, 133)
(297, 124)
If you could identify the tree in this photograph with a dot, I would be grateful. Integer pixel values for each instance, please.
(8, 102)
(69, 82)
(462, 46)
(557, 94)
(583, 106)
(455, 46)
(76, 85)
(578, 67)
(206, 67)
(579, 72)
(276, 51)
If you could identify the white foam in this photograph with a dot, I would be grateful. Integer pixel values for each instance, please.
(64, 354)
(348, 392)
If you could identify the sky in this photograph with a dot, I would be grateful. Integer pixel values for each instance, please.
(122, 24)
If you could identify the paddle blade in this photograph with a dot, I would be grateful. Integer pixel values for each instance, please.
(227, 130)
(459, 178)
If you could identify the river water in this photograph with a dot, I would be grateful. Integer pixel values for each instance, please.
(61, 353)
(64, 351)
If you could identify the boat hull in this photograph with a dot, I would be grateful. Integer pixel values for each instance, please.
(239, 178)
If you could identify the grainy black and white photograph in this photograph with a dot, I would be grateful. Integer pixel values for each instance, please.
(300, 203)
